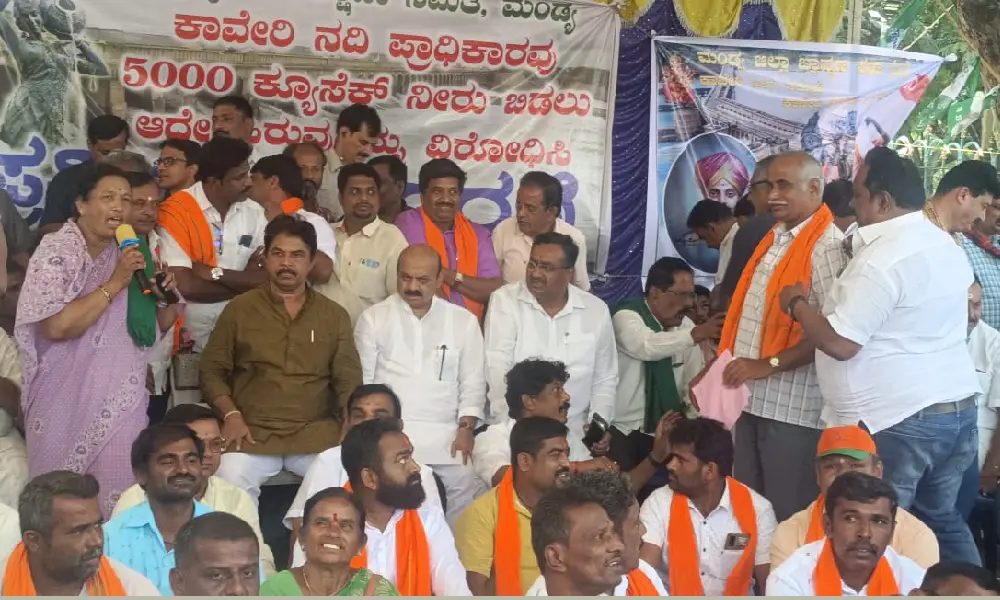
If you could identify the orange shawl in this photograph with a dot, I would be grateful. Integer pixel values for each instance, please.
(828, 582)
(290, 206)
(413, 556)
(779, 331)
(815, 532)
(17, 577)
(467, 247)
(507, 541)
(682, 544)
(640, 585)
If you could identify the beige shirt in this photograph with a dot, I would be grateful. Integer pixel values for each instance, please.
(364, 272)
(328, 195)
(911, 539)
(513, 249)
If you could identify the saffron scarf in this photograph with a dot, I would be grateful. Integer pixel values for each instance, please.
(779, 331)
(640, 585)
(290, 206)
(507, 541)
(467, 247)
(661, 387)
(815, 532)
(141, 316)
(413, 556)
(683, 562)
(17, 577)
(828, 581)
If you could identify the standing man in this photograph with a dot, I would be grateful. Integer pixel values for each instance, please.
(980, 243)
(392, 174)
(105, 134)
(408, 542)
(750, 235)
(713, 222)
(216, 555)
(537, 210)
(547, 317)
(276, 184)
(232, 116)
(358, 129)
(367, 247)
(177, 166)
(471, 271)
(494, 534)
(837, 195)
(906, 287)
(431, 352)
(285, 409)
(964, 195)
(312, 163)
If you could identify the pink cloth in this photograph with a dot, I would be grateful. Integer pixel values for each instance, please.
(715, 400)
(84, 399)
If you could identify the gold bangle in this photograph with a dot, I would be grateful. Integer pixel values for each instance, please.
(230, 413)
(107, 294)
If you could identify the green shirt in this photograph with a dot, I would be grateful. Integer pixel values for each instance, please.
(284, 584)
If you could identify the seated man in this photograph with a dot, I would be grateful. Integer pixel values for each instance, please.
(279, 384)
(215, 492)
(494, 533)
(367, 402)
(216, 555)
(958, 579)
(710, 532)
(855, 558)
(841, 450)
(61, 552)
(407, 543)
(166, 461)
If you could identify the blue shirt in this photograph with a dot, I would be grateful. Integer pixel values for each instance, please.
(133, 539)
(986, 266)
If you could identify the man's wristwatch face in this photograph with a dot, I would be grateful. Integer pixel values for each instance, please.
(217, 273)
(774, 362)
(459, 278)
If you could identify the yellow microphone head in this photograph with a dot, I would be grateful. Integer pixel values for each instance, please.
(124, 234)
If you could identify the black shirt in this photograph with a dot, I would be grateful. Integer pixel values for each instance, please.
(61, 194)
(744, 244)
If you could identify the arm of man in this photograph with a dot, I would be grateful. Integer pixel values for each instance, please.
(500, 335)
(367, 345)
(218, 360)
(654, 515)
(474, 539)
(345, 365)
(604, 396)
(448, 576)
(472, 373)
(640, 342)
(477, 288)
(322, 269)
(581, 278)
(767, 523)
(243, 281)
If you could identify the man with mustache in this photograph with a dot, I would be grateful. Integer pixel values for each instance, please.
(312, 163)
(494, 534)
(358, 129)
(61, 550)
(709, 532)
(408, 542)
(855, 558)
(392, 174)
(216, 555)
(471, 272)
(963, 196)
(166, 461)
(431, 352)
(367, 247)
(980, 244)
(537, 209)
(232, 117)
(367, 402)
(279, 414)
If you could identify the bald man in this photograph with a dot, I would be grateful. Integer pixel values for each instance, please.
(776, 435)
(430, 352)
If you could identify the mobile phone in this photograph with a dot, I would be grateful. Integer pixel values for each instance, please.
(595, 431)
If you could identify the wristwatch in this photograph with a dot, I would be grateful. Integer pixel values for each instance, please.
(775, 362)
(791, 305)
(217, 273)
(459, 278)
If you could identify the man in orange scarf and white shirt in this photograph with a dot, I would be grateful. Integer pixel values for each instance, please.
(709, 532)
(408, 542)
(842, 450)
(780, 427)
(855, 558)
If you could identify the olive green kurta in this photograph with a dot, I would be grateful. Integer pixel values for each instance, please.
(288, 377)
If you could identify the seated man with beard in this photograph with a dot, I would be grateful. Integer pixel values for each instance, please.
(408, 544)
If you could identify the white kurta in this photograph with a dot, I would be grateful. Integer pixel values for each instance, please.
(435, 365)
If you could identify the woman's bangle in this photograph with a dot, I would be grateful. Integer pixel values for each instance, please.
(230, 413)
(107, 294)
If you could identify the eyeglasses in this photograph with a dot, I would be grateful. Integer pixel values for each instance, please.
(685, 295)
(169, 161)
(142, 203)
(216, 445)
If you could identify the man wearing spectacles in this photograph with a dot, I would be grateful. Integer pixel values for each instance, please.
(177, 165)
(215, 493)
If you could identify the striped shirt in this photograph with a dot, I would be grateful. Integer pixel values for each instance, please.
(986, 266)
(789, 396)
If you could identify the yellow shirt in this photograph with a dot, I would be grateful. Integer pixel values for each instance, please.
(474, 537)
(912, 538)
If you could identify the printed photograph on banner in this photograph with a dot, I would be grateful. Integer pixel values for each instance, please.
(502, 87)
(719, 106)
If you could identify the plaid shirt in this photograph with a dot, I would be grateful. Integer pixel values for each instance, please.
(789, 396)
(987, 270)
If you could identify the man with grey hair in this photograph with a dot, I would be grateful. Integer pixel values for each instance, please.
(776, 435)
(128, 161)
(61, 552)
(216, 555)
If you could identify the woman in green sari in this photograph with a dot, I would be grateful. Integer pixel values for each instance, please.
(333, 533)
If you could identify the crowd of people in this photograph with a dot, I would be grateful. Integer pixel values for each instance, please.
(460, 414)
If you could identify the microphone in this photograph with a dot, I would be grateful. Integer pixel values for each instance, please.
(126, 237)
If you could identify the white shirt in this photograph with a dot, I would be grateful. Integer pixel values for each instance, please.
(135, 583)
(13, 451)
(984, 347)
(492, 449)
(580, 335)
(904, 299)
(513, 250)
(638, 344)
(795, 576)
(538, 588)
(434, 363)
(255, 156)
(325, 242)
(10, 530)
(327, 471)
(710, 532)
(725, 252)
(242, 233)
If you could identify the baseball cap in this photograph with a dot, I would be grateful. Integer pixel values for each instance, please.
(849, 440)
